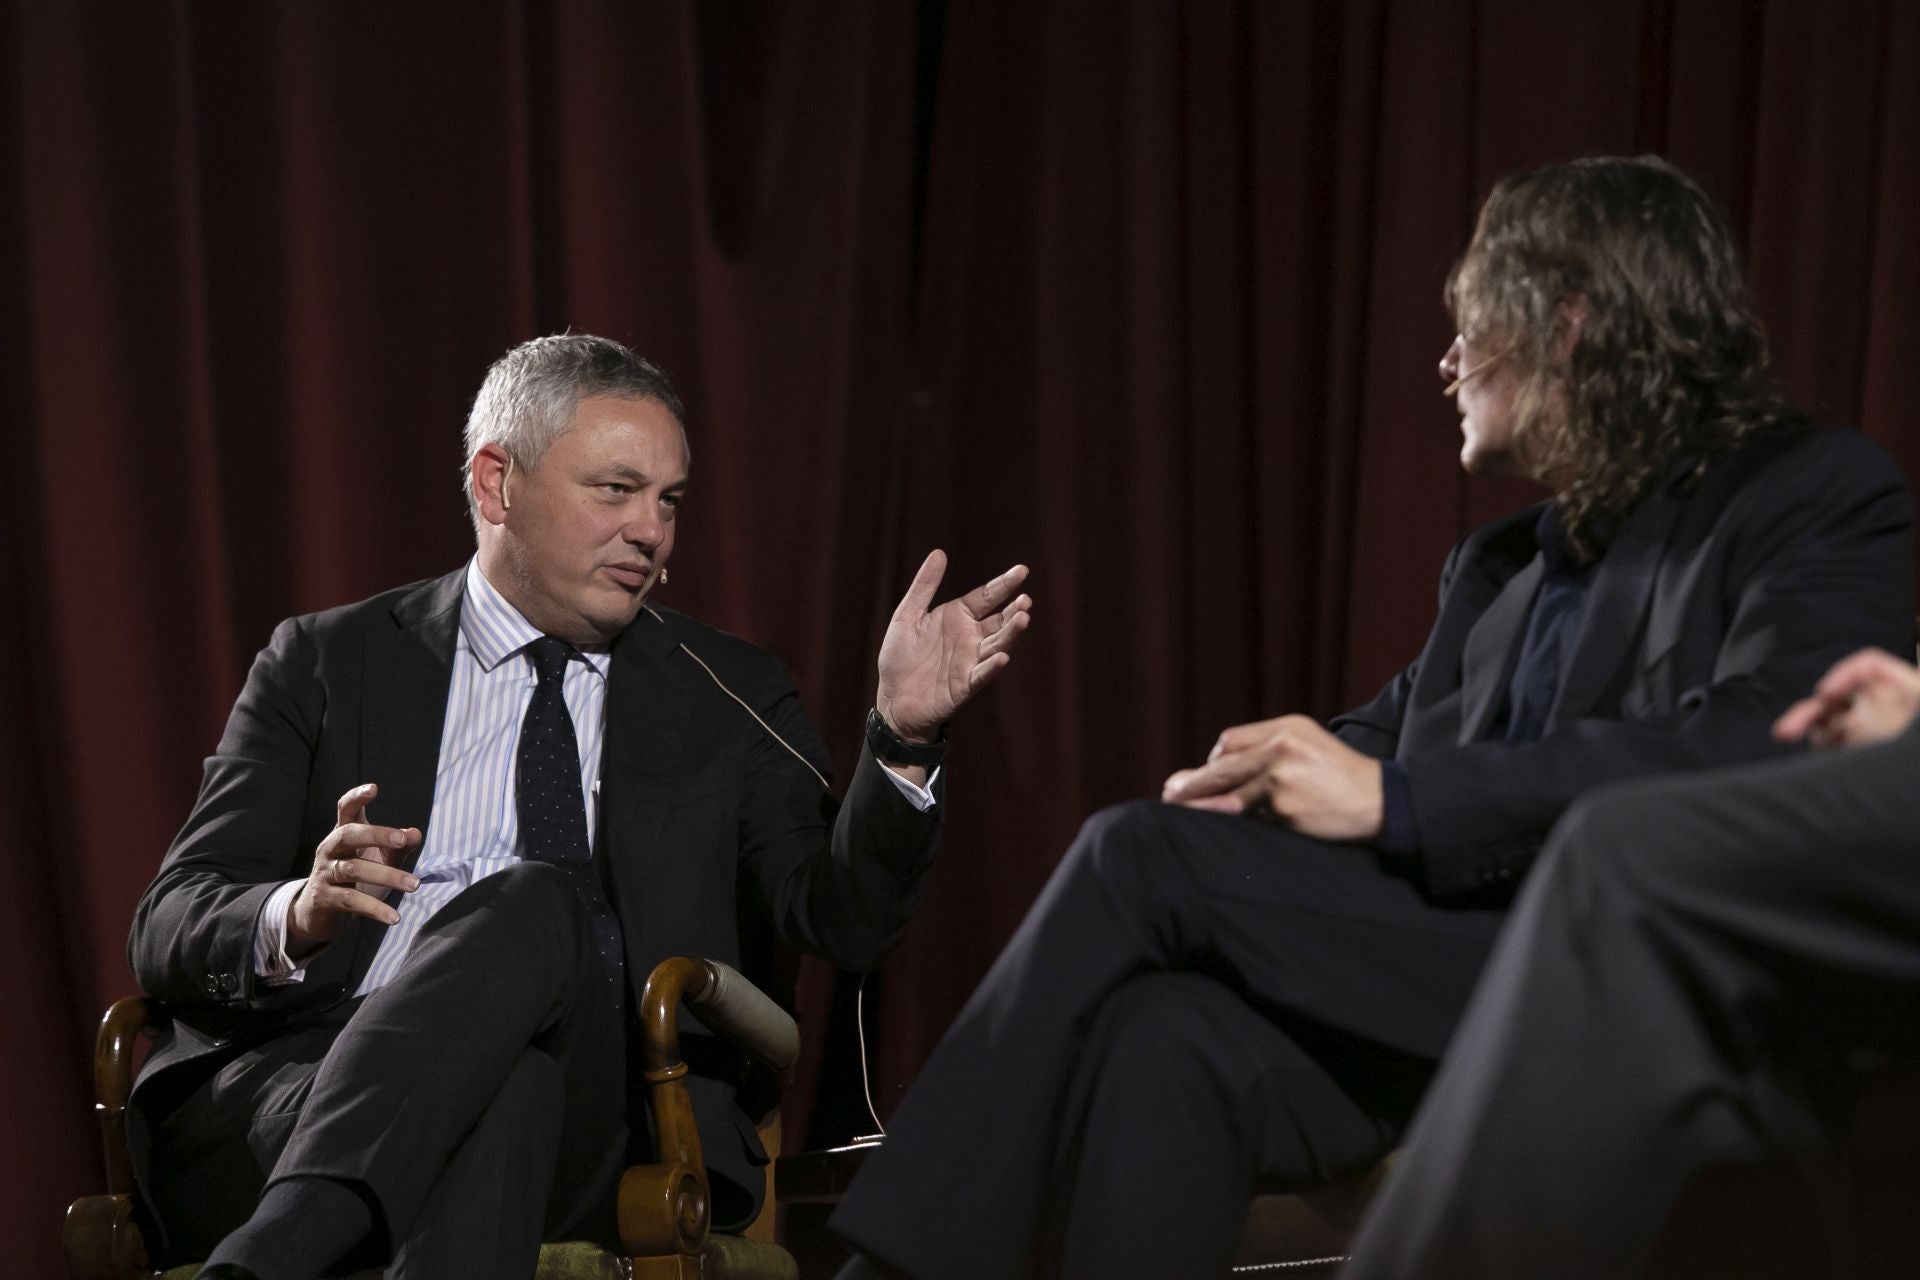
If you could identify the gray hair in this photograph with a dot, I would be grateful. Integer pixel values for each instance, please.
(530, 393)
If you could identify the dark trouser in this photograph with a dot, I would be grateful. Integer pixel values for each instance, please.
(477, 1099)
(1679, 969)
(1195, 1003)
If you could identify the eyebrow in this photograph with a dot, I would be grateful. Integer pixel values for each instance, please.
(637, 476)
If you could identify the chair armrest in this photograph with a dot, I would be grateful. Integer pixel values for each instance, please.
(113, 1080)
(727, 1002)
(666, 1208)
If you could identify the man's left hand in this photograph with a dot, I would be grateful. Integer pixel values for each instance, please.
(1292, 769)
(933, 660)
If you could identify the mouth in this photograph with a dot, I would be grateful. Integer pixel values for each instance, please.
(629, 575)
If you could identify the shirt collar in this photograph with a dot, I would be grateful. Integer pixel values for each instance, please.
(1550, 534)
(495, 631)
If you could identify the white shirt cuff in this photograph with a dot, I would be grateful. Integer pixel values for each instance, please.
(920, 798)
(270, 960)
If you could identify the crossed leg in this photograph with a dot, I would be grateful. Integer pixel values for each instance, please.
(1658, 1006)
(1201, 951)
(475, 1104)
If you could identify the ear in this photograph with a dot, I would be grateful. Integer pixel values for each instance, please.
(487, 481)
(1573, 319)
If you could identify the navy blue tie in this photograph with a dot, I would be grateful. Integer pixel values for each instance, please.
(553, 818)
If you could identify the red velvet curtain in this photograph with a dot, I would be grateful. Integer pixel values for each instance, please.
(1145, 294)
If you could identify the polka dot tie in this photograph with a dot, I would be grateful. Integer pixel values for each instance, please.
(553, 820)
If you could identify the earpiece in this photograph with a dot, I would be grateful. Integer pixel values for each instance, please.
(506, 502)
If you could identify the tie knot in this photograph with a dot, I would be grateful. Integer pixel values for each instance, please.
(549, 657)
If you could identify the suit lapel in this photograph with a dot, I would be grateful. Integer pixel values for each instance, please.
(1622, 589)
(409, 673)
(1486, 665)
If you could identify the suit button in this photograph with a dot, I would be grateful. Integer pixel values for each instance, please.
(210, 985)
(229, 983)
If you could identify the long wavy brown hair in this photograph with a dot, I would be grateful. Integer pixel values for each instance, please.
(1669, 363)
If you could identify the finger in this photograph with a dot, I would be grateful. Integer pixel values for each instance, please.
(367, 835)
(353, 805)
(349, 838)
(984, 671)
(1256, 794)
(342, 898)
(1239, 737)
(1021, 606)
(920, 591)
(985, 600)
(351, 871)
(1002, 640)
(1800, 719)
(1229, 803)
(1217, 776)
(1859, 668)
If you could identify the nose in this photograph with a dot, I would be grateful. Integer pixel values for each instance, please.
(645, 530)
(1450, 360)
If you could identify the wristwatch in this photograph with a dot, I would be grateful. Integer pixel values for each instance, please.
(894, 749)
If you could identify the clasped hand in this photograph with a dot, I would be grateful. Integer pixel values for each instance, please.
(933, 660)
(1291, 769)
(355, 856)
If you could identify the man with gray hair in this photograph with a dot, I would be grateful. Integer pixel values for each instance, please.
(450, 830)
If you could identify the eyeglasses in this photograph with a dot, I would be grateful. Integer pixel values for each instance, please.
(1462, 379)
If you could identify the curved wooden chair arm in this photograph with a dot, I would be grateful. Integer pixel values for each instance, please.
(665, 1209)
(120, 1027)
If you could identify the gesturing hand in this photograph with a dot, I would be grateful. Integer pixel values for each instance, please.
(355, 856)
(1291, 768)
(1867, 697)
(932, 661)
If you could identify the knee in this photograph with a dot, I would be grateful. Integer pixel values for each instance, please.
(1154, 1029)
(1620, 845)
(534, 886)
(531, 900)
(1118, 840)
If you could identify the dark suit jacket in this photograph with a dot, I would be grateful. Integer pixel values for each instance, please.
(713, 834)
(1714, 607)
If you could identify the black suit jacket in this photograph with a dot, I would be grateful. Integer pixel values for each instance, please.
(714, 835)
(1715, 606)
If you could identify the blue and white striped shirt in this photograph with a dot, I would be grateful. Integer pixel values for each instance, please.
(474, 827)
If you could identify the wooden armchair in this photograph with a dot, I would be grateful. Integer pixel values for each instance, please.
(664, 1208)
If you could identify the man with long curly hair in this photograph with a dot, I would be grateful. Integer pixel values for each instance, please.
(1251, 980)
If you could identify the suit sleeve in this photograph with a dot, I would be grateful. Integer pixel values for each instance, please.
(837, 881)
(1818, 564)
(193, 931)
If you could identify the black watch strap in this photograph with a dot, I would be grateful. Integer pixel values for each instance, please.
(894, 749)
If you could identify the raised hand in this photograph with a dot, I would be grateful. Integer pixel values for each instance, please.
(355, 856)
(1291, 769)
(1867, 697)
(933, 660)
